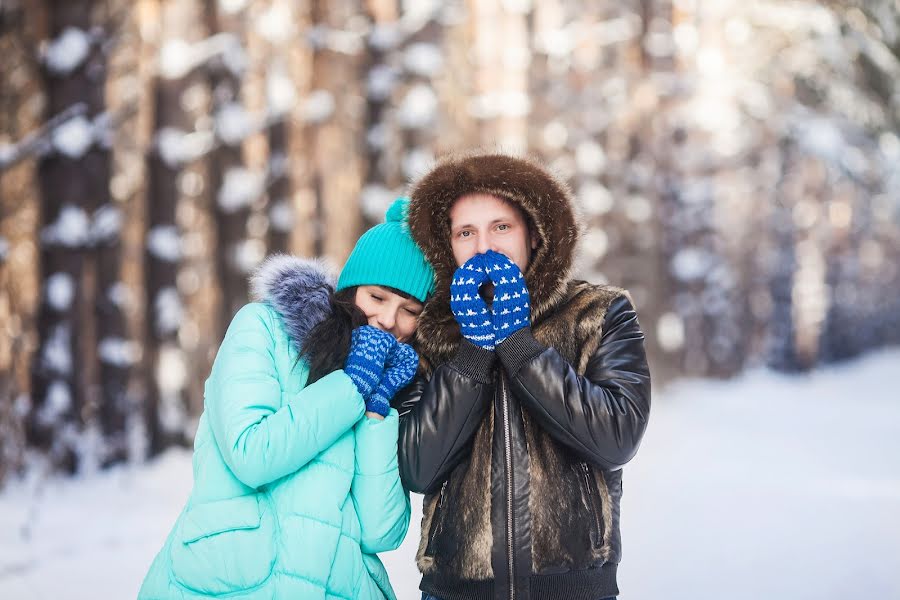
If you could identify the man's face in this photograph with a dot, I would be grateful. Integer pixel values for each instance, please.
(482, 222)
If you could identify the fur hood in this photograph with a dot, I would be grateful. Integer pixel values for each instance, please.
(299, 289)
(546, 200)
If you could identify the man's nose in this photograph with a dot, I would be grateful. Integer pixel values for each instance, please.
(484, 244)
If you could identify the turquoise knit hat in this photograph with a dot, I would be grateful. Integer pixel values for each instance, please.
(387, 255)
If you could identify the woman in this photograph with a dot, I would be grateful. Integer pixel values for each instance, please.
(296, 486)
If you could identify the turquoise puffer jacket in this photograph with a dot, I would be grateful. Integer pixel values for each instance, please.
(295, 490)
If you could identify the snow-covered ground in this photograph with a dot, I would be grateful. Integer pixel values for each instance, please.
(763, 487)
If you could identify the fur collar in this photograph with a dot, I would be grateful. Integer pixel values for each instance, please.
(546, 200)
(299, 289)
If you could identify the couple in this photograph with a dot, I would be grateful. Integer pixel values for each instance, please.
(512, 415)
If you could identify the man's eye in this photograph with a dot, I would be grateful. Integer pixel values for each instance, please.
(464, 233)
(503, 227)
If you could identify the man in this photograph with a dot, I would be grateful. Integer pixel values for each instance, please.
(530, 402)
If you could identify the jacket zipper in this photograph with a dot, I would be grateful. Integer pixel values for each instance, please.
(509, 490)
(585, 471)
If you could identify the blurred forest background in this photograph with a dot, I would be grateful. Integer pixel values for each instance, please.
(736, 164)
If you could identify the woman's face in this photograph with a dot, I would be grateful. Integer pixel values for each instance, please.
(389, 311)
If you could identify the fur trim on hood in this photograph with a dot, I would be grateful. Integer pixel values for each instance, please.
(299, 289)
(546, 200)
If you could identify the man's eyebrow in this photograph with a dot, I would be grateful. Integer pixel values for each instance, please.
(498, 220)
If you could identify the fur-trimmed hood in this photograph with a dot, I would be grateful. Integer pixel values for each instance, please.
(299, 289)
(546, 200)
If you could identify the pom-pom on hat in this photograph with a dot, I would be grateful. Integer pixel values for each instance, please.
(387, 255)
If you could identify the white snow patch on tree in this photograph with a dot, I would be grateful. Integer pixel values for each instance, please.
(71, 229)
(247, 254)
(64, 54)
(377, 135)
(500, 103)
(690, 264)
(74, 137)
(232, 6)
(281, 216)
(380, 82)
(595, 198)
(57, 355)
(595, 243)
(240, 188)
(416, 162)
(60, 290)
(164, 242)
(590, 158)
(106, 224)
(418, 108)
(169, 311)
(57, 401)
(385, 36)
(118, 351)
(177, 147)
(233, 123)
(176, 59)
(319, 106)
(423, 59)
(171, 378)
(4, 248)
(276, 24)
(280, 93)
(374, 200)
(120, 294)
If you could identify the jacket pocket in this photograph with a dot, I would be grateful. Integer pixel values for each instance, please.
(224, 546)
(435, 528)
(595, 506)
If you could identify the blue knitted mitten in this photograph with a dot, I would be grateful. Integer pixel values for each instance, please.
(468, 307)
(399, 370)
(511, 309)
(369, 349)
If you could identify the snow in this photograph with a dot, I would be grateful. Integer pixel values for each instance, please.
(60, 290)
(248, 254)
(590, 158)
(175, 59)
(767, 486)
(169, 311)
(106, 224)
(281, 216)
(71, 228)
(64, 54)
(4, 248)
(280, 93)
(177, 147)
(164, 242)
(374, 200)
(57, 353)
(416, 162)
(240, 188)
(74, 137)
(595, 198)
(690, 263)
(118, 351)
(57, 402)
(423, 59)
(380, 82)
(418, 108)
(233, 123)
(319, 106)
(276, 24)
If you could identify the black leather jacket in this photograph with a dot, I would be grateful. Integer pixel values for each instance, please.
(539, 435)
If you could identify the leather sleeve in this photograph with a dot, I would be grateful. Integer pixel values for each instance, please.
(600, 415)
(439, 416)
